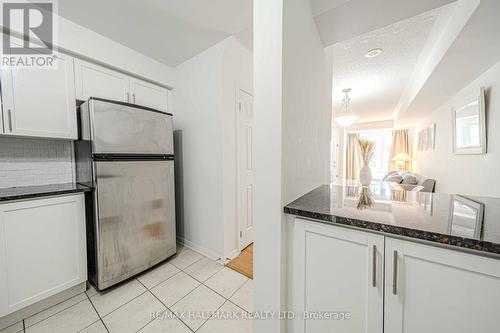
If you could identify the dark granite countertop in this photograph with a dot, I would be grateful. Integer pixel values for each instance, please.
(468, 222)
(28, 192)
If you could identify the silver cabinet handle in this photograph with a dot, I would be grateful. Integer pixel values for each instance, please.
(395, 273)
(133, 98)
(374, 266)
(9, 115)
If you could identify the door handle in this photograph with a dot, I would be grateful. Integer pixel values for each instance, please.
(374, 266)
(9, 115)
(395, 273)
(133, 98)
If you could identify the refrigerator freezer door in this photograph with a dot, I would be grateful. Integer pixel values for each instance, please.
(125, 129)
(135, 217)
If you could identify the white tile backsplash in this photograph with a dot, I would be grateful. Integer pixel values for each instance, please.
(28, 162)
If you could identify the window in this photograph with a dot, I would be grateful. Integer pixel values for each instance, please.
(379, 164)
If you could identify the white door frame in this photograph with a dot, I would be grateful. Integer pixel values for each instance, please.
(238, 110)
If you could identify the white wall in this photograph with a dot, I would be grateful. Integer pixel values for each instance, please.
(205, 121)
(465, 174)
(268, 283)
(307, 95)
(293, 125)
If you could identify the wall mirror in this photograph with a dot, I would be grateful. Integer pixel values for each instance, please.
(466, 217)
(469, 126)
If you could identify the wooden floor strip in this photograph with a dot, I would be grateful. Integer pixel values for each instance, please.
(244, 262)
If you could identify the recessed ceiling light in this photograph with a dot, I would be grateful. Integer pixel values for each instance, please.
(373, 53)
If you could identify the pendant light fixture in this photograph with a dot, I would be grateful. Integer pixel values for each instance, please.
(346, 118)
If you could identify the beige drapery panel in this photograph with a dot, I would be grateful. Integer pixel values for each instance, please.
(353, 158)
(400, 144)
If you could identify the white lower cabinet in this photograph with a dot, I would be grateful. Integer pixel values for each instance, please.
(386, 284)
(337, 270)
(42, 249)
(431, 289)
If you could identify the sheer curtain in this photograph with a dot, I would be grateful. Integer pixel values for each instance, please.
(353, 158)
(400, 144)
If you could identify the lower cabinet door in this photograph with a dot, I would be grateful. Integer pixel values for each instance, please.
(337, 279)
(42, 249)
(431, 289)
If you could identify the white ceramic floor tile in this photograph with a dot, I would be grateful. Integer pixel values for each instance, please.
(97, 327)
(244, 296)
(111, 300)
(158, 275)
(228, 319)
(185, 257)
(72, 319)
(134, 315)
(30, 321)
(165, 325)
(203, 269)
(226, 282)
(175, 288)
(202, 302)
(17, 327)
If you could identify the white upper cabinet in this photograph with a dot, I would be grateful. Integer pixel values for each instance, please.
(40, 102)
(96, 81)
(430, 289)
(147, 94)
(336, 269)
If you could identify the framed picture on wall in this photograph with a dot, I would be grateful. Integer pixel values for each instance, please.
(469, 125)
(427, 138)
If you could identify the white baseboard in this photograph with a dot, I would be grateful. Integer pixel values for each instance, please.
(200, 249)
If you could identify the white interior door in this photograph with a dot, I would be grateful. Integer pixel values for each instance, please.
(245, 154)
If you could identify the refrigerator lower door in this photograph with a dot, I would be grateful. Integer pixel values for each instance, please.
(135, 224)
(125, 129)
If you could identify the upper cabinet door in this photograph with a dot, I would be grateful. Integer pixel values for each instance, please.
(147, 94)
(337, 270)
(431, 289)
(96, 81)
(40, 102)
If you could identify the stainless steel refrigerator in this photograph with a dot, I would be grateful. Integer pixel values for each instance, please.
(125, 153)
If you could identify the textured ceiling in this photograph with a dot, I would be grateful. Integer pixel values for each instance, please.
(378, 83)
(473, 52)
